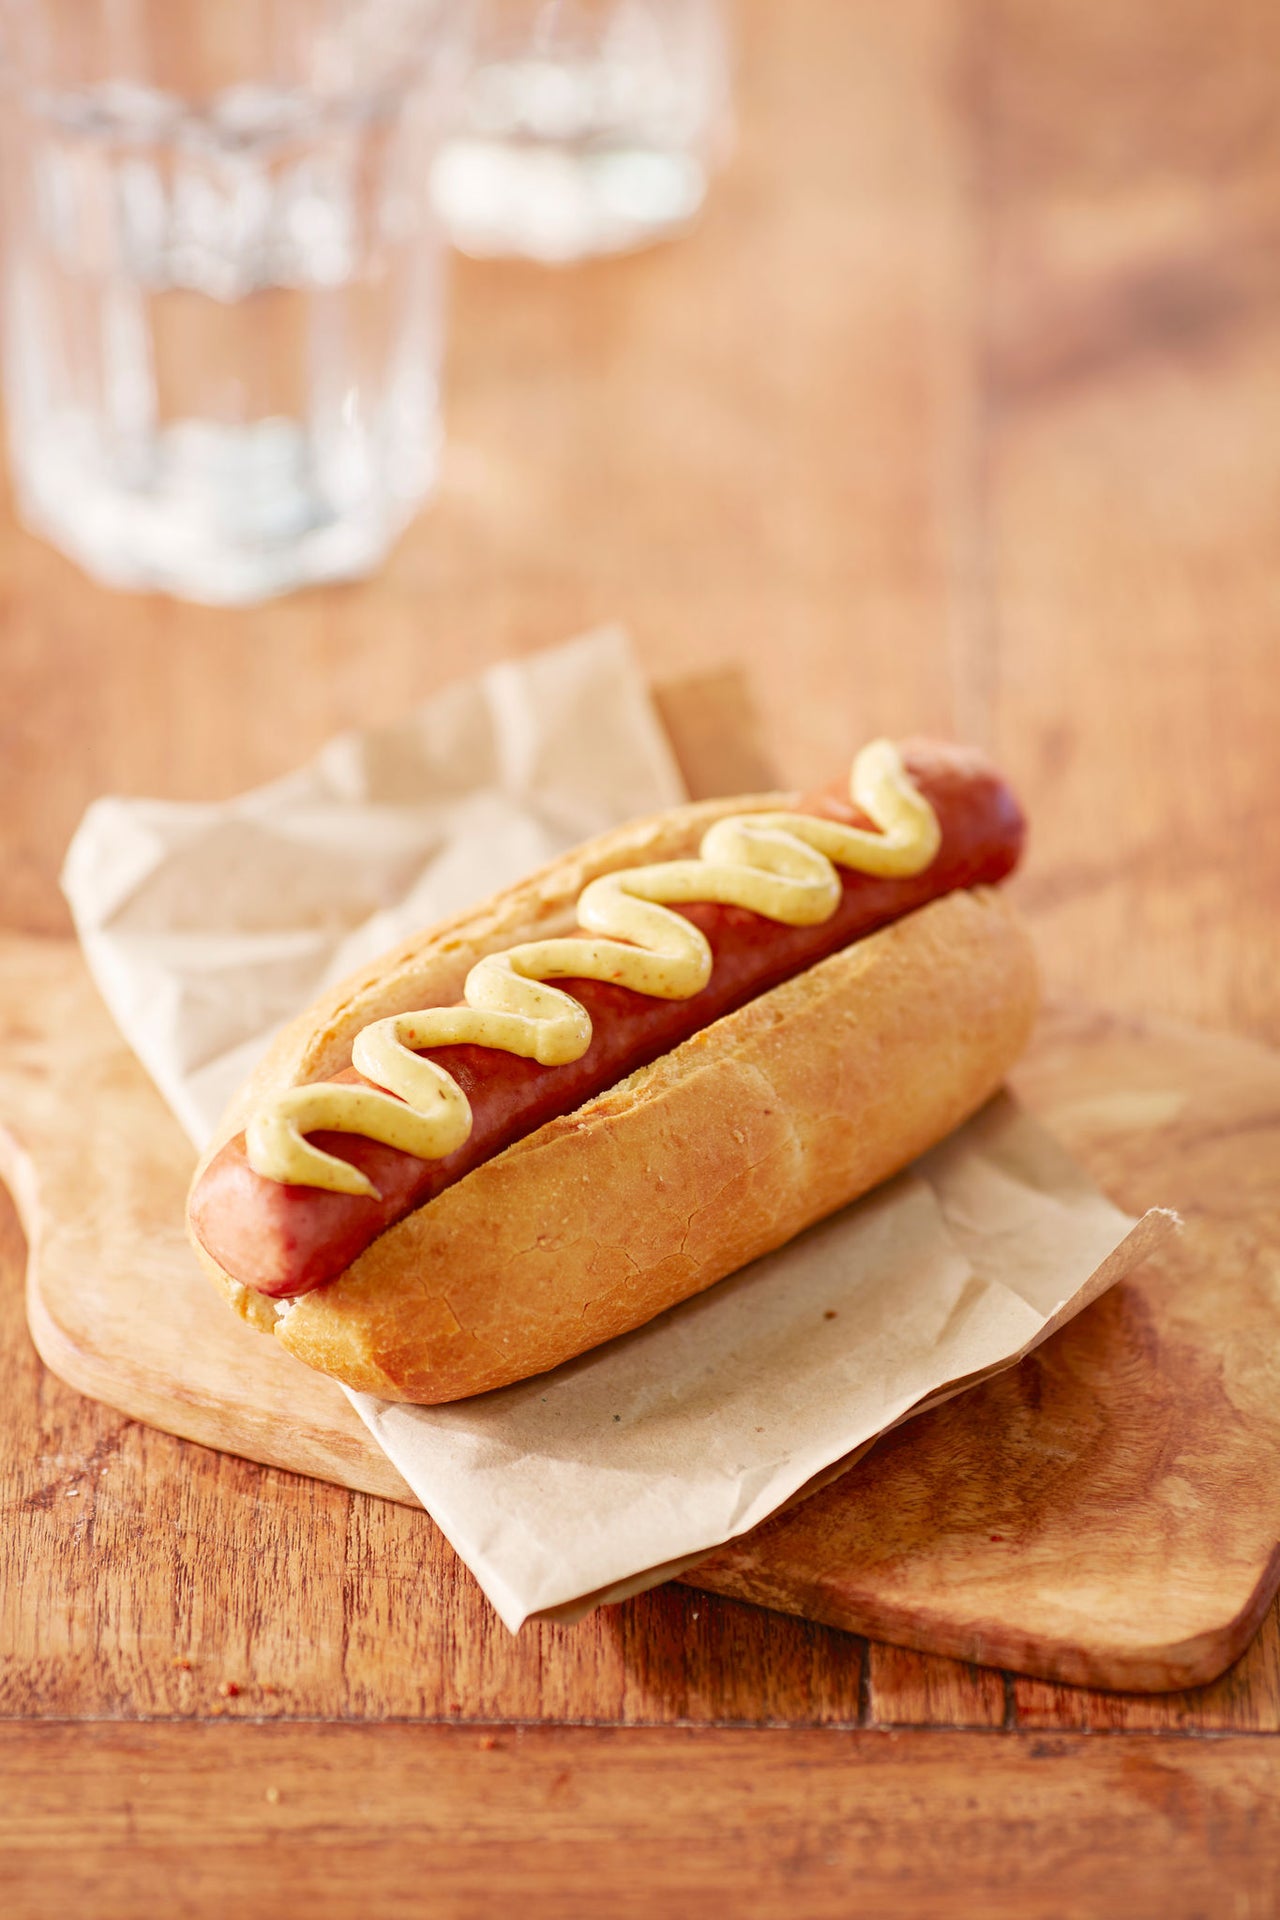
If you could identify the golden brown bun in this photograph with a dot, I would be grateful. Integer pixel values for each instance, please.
(718, 1152)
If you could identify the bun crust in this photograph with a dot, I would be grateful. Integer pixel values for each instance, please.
(716, 1153)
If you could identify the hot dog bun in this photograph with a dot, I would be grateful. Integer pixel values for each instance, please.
(716, 1153)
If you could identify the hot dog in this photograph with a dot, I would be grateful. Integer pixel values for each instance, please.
(518, 1203)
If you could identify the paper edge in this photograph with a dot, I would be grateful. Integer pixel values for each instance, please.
(1149, 1232)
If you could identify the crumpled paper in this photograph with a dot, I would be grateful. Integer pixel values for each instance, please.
(206, 927)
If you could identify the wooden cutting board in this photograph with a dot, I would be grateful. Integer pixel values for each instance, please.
(1107, 1513)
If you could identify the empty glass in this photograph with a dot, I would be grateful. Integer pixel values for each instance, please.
(222, 285)
(586, 126)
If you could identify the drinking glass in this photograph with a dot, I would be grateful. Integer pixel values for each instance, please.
(222, 281)
(586, 126)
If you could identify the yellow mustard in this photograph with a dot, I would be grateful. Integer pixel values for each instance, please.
(780, 865)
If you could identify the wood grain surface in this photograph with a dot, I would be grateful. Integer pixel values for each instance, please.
(1108, 1513)
(960, 410)
(545, 1818)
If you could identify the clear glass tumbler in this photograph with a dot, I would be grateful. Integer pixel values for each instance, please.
(586, 126)
(222, 281)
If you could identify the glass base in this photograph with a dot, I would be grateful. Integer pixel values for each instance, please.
(553, 203)
(223, 515)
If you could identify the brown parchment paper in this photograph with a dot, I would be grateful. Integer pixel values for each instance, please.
(206, 927)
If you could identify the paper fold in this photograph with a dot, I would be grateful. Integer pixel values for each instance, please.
(690, 1431)
(206, 927)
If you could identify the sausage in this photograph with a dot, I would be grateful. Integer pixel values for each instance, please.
(284, 1241)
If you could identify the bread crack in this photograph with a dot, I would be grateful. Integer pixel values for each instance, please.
(449, 1308)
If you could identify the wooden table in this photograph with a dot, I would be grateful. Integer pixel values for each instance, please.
(960, 411)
